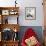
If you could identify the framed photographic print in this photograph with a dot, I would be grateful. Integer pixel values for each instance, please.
(5, 12)
(30, 13)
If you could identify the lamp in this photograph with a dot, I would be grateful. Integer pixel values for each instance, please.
(15, 3)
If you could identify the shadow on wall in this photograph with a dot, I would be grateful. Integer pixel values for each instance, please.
(37, 29)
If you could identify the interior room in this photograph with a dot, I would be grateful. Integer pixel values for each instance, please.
(22, 22)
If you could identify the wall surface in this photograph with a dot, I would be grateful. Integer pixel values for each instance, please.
(39, 13)
(26, 3)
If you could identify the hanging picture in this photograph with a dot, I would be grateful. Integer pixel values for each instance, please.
(5, 12)
(30, 13)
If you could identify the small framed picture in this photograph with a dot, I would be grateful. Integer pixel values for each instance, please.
(30, 13)
(5, 12)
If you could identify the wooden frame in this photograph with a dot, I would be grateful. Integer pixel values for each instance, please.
(30, 13)
(5, 24)
(0, 36)
(0, 19)
(9, 10)
(5, 12)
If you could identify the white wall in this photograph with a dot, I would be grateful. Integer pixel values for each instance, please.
(39, 13)
(27, 3)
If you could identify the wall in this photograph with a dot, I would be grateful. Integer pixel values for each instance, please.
(27, 3)
(39, 13)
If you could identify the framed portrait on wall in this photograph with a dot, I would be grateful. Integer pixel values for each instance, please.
(5, 12)
(30, 13)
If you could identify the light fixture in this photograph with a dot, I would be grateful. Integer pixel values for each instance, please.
(15, 3)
